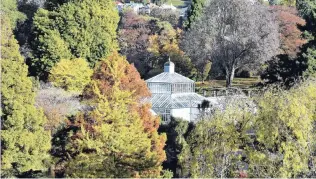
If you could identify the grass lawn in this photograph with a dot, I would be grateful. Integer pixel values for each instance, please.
(237, 82)
(179, 3)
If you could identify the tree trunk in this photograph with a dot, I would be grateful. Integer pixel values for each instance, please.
(230, 73)
(202, 75)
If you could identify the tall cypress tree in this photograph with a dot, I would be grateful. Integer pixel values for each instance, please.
(25, 143)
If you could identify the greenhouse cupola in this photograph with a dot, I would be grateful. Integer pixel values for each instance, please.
(173, 95)
(169, 66)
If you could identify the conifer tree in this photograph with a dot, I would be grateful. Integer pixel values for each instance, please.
(76, 29)
(195, 12)
(25, 143)
(119, 137)
(307, 9)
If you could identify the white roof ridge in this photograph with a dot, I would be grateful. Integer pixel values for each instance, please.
(163, 77)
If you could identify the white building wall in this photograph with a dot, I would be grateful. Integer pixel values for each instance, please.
(186, 113)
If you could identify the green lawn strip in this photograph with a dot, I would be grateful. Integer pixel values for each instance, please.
(237, 82)
(176, 3)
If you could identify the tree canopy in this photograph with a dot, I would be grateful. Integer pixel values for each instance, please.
(233, 34)
(71, 75)
(24, 142)
(148, 42)
(10, 9)
(277, 139)
(77, 29)
(119, 135)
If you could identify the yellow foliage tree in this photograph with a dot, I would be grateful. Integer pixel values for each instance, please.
(72, 75)
(285, 133)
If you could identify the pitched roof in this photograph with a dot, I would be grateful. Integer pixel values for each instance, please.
(174, 101)
(166, 77)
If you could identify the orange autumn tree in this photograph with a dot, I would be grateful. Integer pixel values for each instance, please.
(118, 137)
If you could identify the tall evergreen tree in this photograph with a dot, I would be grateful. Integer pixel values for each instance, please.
(76, 29)
(195, 11)
(307, 9)
(119, 137)
(25, 143)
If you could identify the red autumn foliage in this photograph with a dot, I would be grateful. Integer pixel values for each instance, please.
(290, 34)
(242, 174)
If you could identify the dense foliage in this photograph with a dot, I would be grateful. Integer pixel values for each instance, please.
(24, 142)
(74, 104)
(275, 140)
(294, 64)
(307, 10)
(10, 8)
(118, 138)
(148, 43)
(195, 12)
(77, 29)
(71, 75)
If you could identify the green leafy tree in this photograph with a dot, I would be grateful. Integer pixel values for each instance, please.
(72, 75)
(277, 139)
(10, 9)
(24, 142)
(118, 138)
(217, 145)
(76, 29)
(177, 149)
(285, 134)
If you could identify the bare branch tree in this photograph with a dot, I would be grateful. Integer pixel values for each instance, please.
(57, 104)
(233, 34)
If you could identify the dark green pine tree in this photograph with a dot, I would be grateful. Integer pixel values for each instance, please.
(195, 12)
(307, 9)
(25, 143)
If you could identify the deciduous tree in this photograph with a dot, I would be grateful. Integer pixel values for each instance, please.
(71, 75)
(119, 135)
(10, 9)
(171, 16)
(148, 42)
(290, 35)
(285, 134)
(216, 144)
(233, 34)
(57, 105)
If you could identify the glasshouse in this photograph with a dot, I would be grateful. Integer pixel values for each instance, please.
(174, 95)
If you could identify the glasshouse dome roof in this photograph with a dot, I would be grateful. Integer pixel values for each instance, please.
(176, 101)
(167, 77)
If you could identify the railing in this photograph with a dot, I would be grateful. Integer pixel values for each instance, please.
(217, 92)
